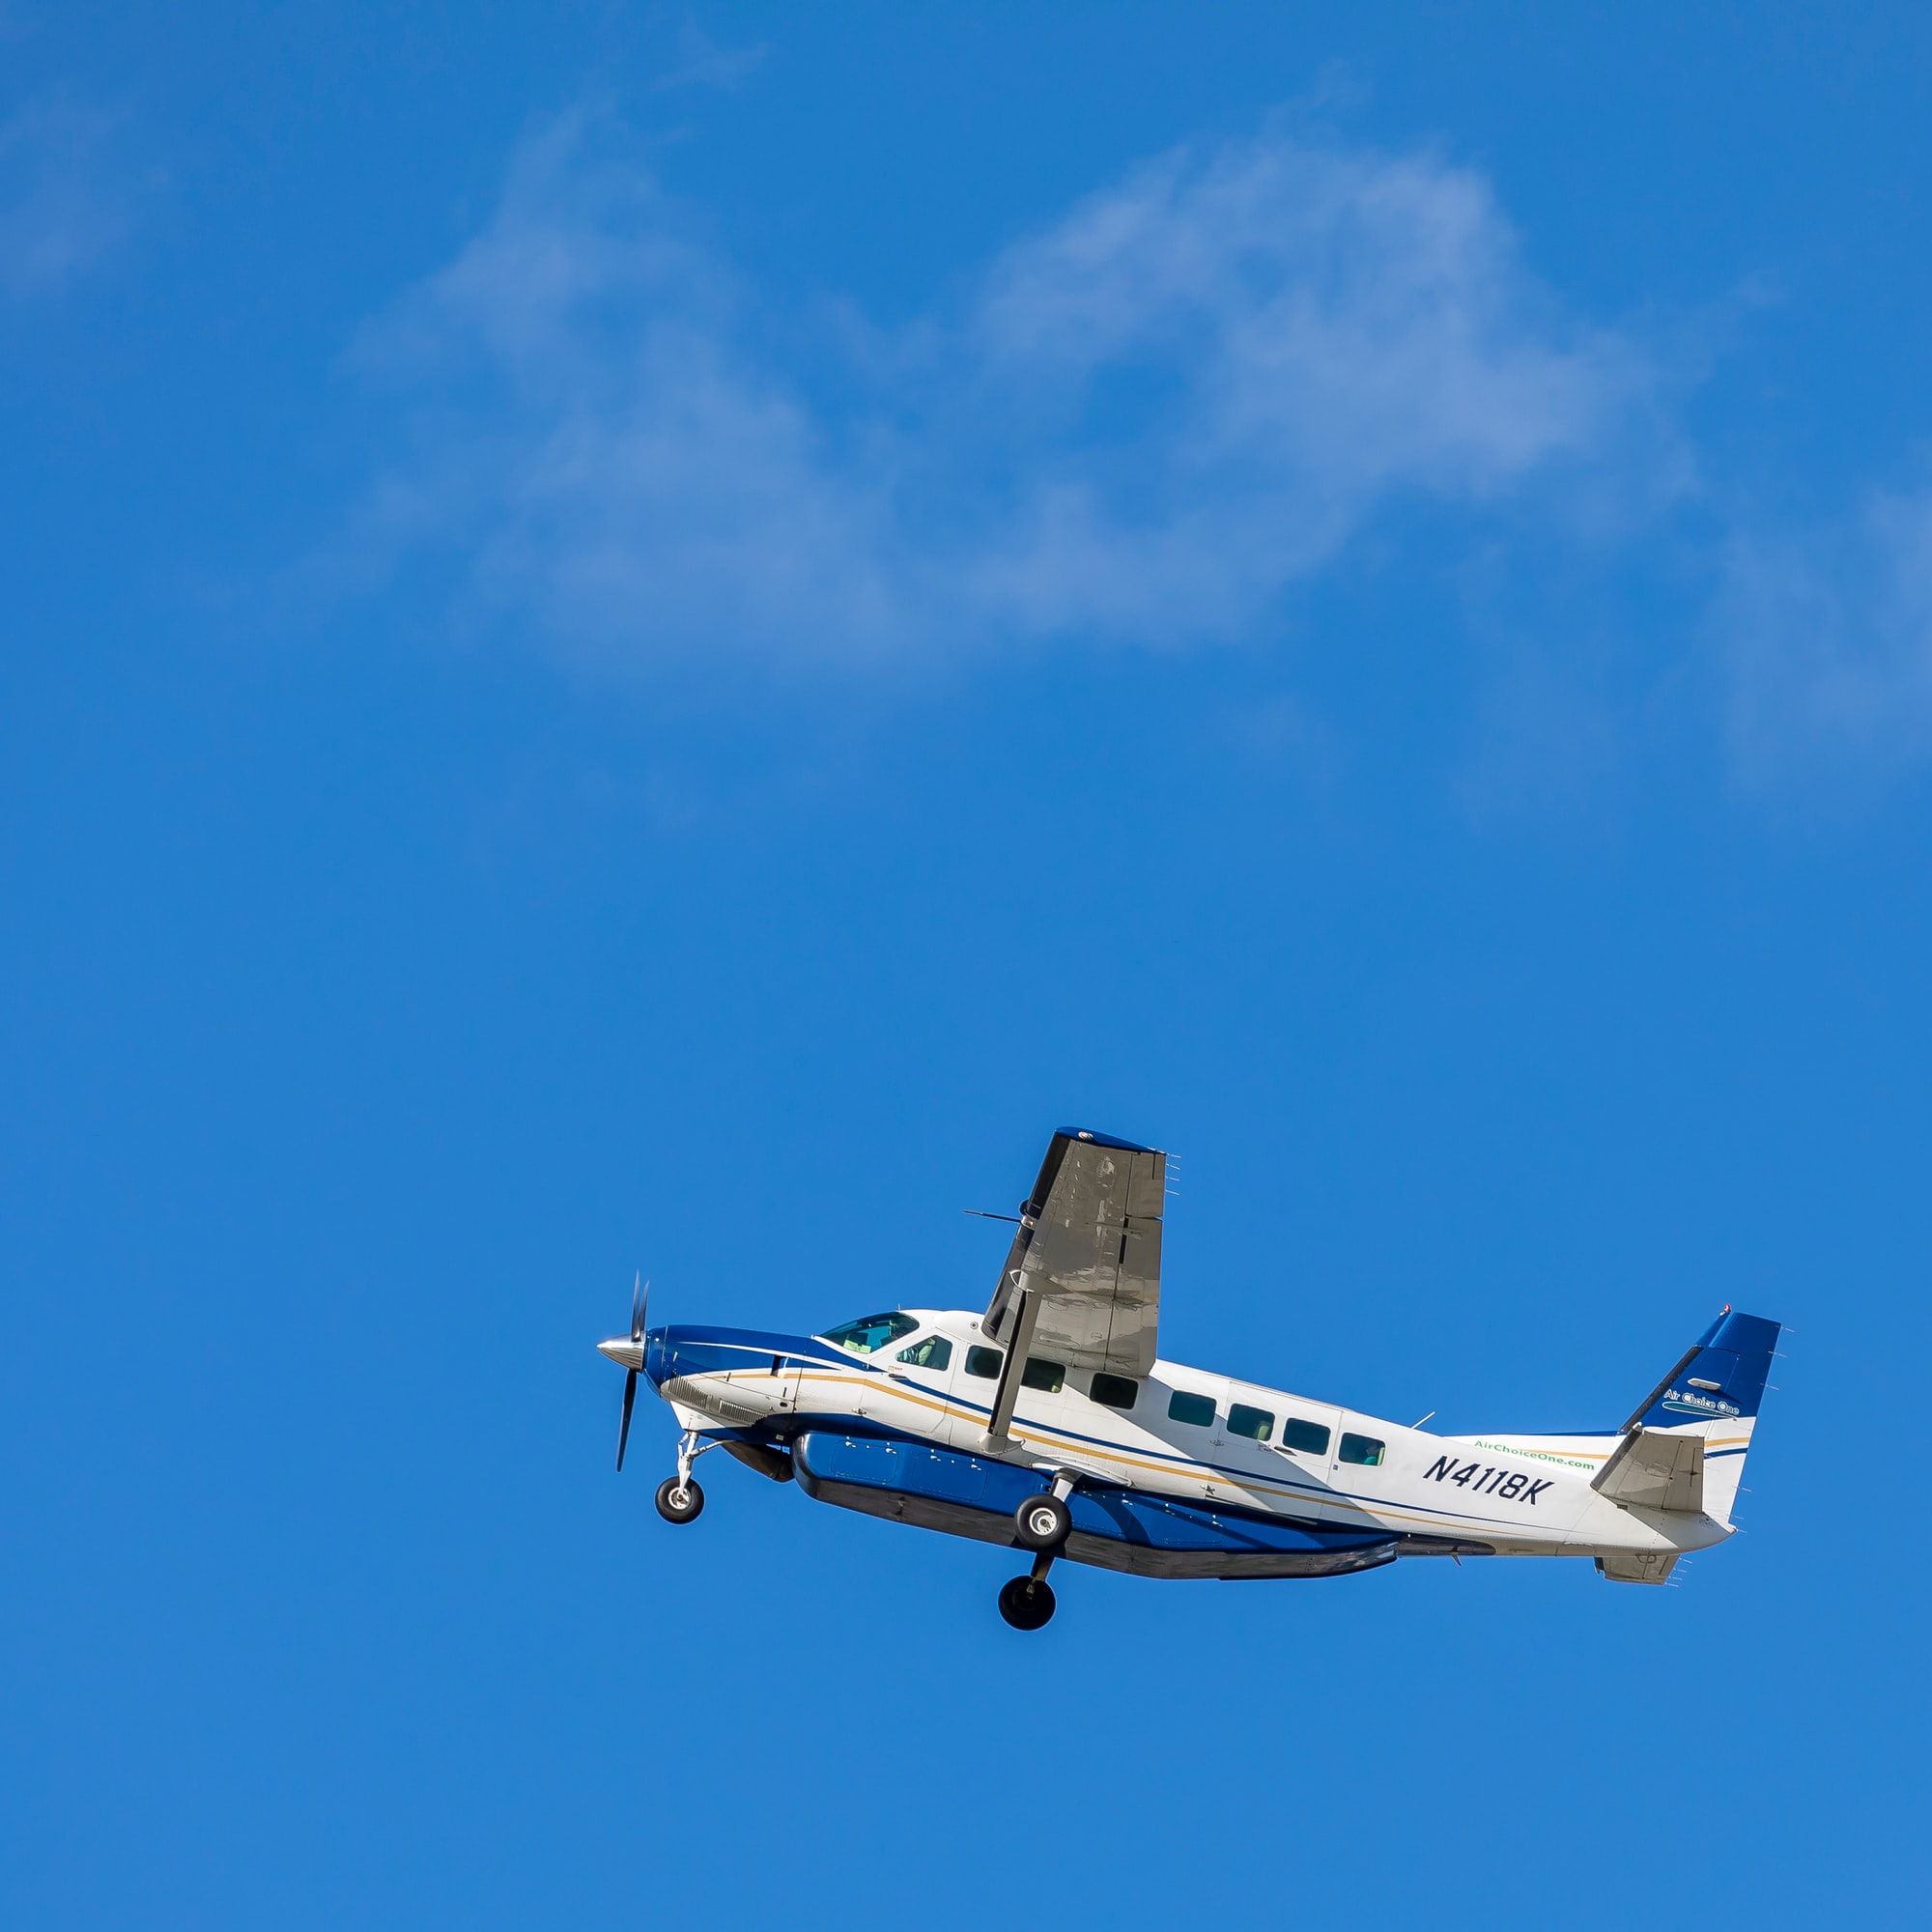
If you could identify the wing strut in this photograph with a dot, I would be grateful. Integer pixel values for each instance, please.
(1026, 1314)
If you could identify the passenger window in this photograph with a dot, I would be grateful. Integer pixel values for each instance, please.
(1364, 1449)
(1309, 1436)
(1115, 1391)
(1198, 1409)
(934, 1353)
(1047, 1375)
(872, 1332)
(984, 1363)
(1257, 1423)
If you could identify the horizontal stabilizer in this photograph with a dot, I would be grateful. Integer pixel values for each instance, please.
(1652, 1568)
(1656, 1470)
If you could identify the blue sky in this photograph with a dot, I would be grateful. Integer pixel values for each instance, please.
(644, 638)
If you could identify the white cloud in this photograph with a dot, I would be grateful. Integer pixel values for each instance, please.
(593, 442)
(1313, 332)
(61, 207)
(1829, 640)
(1144, 423)
(701, 62)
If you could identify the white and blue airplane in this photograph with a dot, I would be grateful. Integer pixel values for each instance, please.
(1050, 1422)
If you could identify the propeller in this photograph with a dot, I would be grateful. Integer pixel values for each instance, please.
(640, 1301)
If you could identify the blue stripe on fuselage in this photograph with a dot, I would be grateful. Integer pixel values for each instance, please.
(691, 1351)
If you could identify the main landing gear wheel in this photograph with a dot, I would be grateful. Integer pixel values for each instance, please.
(1027, 1603)
(680, 1501)
(1041, 1523)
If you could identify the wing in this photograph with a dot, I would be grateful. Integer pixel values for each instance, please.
(1082, 1281)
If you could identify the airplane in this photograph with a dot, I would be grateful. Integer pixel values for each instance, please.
(1051, 1423)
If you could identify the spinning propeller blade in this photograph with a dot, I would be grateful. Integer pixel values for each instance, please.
(624, 1428)
(640, 1301)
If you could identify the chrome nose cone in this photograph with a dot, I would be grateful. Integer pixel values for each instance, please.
(625, 1352)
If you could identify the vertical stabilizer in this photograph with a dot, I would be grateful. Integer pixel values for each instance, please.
(1713, 1394)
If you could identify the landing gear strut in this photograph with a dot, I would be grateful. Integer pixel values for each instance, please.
(1041, 1523)
(679, 1499)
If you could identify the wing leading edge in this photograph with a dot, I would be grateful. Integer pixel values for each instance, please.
(1082, 1280)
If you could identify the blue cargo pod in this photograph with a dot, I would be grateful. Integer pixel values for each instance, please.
(1114, 1528)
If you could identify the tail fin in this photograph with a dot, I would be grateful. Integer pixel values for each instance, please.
(1715, 1392)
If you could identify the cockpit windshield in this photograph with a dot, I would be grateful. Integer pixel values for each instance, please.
(870, 1333)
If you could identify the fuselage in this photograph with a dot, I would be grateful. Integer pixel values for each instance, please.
(1238, 1448)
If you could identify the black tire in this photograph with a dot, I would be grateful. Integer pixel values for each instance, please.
(1041, 1523)
(1025, 1604)
(679, 1502)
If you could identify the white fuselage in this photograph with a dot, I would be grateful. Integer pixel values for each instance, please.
(1514, 1495)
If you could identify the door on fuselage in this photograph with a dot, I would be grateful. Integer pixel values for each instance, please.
(921, 1373)
(785, 1370)
(1352, 1468)
(1290, 1444)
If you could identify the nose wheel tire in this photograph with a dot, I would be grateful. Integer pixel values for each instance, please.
(1041, 1523)
(1025, 1602)
(679, 1502)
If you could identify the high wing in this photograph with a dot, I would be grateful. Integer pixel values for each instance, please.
(1082, 1281)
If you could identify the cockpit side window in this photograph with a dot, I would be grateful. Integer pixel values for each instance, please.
(870, 1333)
(934, 1353)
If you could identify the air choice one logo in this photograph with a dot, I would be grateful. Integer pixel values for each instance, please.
(1687, 1401)
(1512, 1485)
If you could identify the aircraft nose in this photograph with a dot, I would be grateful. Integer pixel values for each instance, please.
(625, 1352)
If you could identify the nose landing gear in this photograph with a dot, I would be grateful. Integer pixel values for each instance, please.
(679, 1499)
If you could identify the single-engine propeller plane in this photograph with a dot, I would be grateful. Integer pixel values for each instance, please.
(1050, 1422)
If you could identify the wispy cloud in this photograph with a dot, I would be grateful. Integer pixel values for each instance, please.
(1827, 635)
(701, 62)
(595, 444)
(62, 203)
(1214, 373)
(1146, 422)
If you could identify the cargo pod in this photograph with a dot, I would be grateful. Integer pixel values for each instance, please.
(1113, 1528)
